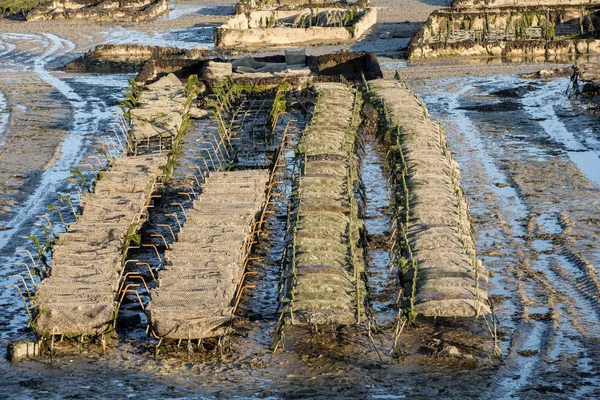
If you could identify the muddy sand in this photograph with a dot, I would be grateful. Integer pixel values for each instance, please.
(529, 163)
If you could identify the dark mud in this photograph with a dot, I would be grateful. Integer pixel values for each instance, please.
(504, 106)
(514, 92)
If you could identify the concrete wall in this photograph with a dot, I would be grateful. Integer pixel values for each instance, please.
(365, 23)
(252, 30)
(279, 36)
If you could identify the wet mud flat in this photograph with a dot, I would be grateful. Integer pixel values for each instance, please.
(59, 127)
(528, 157)
(21, 133)
(309, 360)
(534, 243)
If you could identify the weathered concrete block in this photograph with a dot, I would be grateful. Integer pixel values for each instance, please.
(23, 349)
(218, 70)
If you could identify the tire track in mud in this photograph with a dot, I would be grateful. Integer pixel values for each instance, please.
(509, 208)
(552, 322)
(55, 119)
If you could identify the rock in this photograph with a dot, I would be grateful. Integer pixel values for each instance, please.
(548, 73)
(452, 351)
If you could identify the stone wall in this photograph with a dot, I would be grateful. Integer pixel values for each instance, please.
(557, 30)
(103, 11)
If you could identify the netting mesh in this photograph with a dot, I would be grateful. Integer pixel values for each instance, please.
(450, 282)
(322, 282)
(196, 290)
(79, 295)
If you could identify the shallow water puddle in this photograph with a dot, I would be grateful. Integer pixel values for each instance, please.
(377, 224)
(393, 64)
(543, 105)
(522, 374)
(550, 223)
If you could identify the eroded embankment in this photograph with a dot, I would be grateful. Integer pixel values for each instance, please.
(436, 250)
(323, 273)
